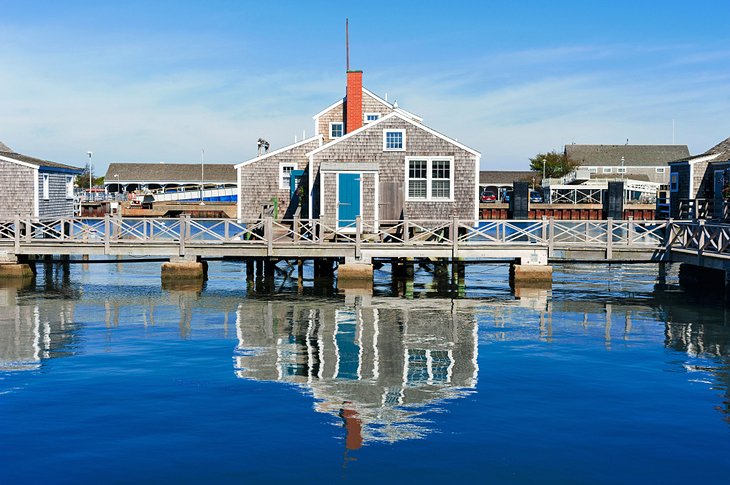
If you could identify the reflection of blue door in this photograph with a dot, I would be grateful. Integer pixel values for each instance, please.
(348, 199)
(294, 179)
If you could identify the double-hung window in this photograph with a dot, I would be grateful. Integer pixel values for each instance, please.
(336, 129)
(660, 170)
(285, 170)
(607, 169)
(394, 140)
(620, 169)
(430, 178)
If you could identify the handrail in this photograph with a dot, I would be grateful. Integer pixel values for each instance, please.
(406, 232)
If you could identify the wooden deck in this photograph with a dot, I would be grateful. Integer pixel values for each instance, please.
(529, 241)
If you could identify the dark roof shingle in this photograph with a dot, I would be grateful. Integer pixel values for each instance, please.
(8, 152)
(170, 172)
(503, 176)
(633, 155)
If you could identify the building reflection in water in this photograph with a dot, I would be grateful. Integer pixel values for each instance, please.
(376, 368)
(32, 331)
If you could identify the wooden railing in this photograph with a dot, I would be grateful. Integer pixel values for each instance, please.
(704, 238)
(409, 232)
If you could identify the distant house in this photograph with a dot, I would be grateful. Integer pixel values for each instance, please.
(638, 162)
(368, 158)
(32, 187)
(501, 181)
(700, 177)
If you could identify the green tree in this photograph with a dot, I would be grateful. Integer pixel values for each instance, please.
(553, 163)
(82, 180)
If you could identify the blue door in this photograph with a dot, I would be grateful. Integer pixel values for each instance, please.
(348, 199)
(294, 179)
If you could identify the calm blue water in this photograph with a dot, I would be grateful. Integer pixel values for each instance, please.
(607, 378)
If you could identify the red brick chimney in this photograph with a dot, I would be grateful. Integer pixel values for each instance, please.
(353, 101)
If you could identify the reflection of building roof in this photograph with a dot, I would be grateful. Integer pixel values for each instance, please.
(170, 172)
(499, 177)
(8, 152)
(633, 155)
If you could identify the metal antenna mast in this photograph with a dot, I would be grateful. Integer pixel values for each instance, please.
(347, 41)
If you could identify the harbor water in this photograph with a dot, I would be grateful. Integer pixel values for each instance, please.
(615, 374)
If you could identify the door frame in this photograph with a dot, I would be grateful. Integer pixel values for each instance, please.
(337, 199)
(361, 172)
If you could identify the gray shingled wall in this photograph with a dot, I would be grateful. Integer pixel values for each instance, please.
(367, 146)
(260, 182)
(16, 196)
(57, 204)
(369, 105)
(682, 171)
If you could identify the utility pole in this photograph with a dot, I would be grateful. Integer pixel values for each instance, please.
(202, 174)
(91, 177)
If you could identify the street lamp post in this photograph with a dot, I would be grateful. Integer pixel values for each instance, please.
(543, 170)
(116, 179)
(91, 178)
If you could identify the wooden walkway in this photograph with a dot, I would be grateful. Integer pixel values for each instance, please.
(532, 241)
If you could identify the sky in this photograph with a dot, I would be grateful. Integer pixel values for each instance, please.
(153, 81)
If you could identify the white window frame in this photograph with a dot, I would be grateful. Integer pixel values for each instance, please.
(366, 120)
(385, 135)
(674, 182)
(620, 169)
(607, 170)
(429, 179)
(592, 169)
(46, 186)
(69, 186)
(293, 166)
(661, 170)
(342, 128)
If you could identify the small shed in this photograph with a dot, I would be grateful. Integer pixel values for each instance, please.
(32, 187)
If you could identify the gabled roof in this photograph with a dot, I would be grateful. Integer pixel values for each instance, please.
(718, 153)
(390, 116)
(8, 154)
(722, 150)
(280, 150)
(169, 172)
(377, 98)
(633, 155)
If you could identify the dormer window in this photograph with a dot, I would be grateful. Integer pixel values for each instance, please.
(336, 129)
(370, 117)
(394, 140)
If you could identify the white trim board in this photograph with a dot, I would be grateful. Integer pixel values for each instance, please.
(280, 150)
(390, 116)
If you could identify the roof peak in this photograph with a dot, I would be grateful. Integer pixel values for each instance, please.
(4, 148)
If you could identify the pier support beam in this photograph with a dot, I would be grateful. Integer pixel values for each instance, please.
(12, 268)
(356, 270)
(182, 269)
(355, 277)
(530, 273)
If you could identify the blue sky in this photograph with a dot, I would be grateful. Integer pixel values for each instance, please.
(159, 81)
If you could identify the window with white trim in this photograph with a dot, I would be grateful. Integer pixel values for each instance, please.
(674, 182)
(429, 178)
(46, 186)
(592, 169)
(620, 169)
(370, 117)
(660, 170)
(337, 129)
(285, 170)
(69, 187)
(607, 169)
(394, 140)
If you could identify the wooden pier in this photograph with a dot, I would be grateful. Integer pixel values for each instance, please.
(351, 247)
